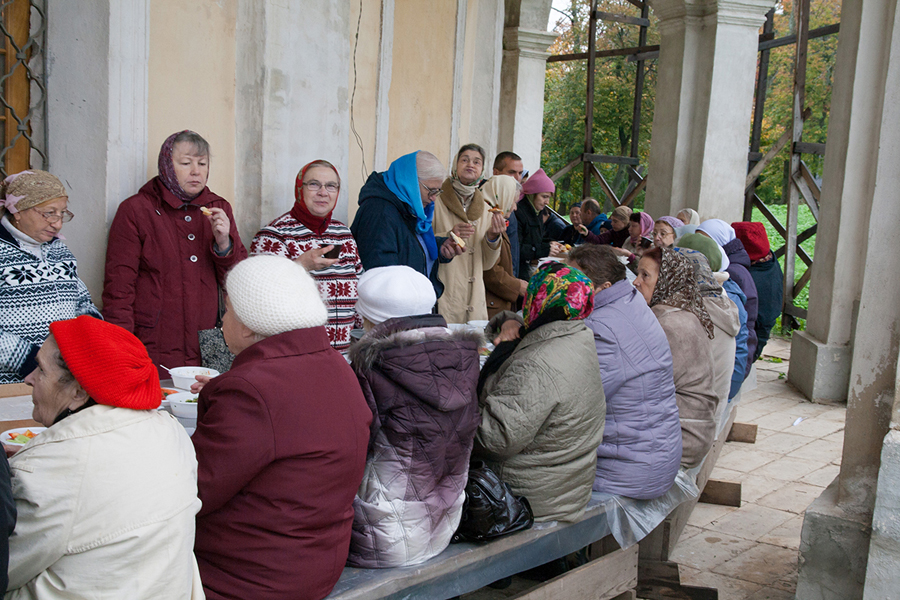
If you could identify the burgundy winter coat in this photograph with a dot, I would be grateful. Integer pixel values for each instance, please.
(420, 381)
(162, 271)
(281, 445)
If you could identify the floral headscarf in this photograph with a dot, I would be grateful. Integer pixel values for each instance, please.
(677, 287)
(557, 292)
(300, 211)
(706, 281)
(167, 168)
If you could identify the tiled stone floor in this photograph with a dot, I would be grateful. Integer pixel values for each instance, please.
(750, 553)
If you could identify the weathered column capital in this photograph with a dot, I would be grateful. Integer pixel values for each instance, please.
(750, 13)
(529, 43)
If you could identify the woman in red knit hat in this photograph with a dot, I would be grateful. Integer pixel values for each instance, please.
(107, 495)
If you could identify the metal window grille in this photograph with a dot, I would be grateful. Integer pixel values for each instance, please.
(23, 89)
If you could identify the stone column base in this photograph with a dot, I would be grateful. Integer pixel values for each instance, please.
(820, 371)
(834, 549)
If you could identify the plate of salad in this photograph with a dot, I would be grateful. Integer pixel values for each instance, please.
(20, 435)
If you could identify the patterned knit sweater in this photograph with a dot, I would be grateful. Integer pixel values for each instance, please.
(286, 236)
(35, 292)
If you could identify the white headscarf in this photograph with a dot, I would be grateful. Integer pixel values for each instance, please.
(721, 233)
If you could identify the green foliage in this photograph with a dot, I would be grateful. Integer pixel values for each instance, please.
(565, 100)
(780, 92)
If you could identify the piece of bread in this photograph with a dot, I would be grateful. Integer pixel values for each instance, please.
(494, 209)
(458, 240)
(205, 211)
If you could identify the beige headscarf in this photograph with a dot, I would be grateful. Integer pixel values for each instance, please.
(28, 189)
(502, 191)
(694, 216)
(622, 212)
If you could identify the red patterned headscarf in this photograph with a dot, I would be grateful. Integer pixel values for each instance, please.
(299, 211)
(167, 168)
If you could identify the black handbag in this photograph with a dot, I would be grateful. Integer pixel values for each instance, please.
(491, 509)
(214, 352)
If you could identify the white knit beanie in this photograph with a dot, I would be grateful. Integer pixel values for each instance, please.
(390, 292)
(273, 294)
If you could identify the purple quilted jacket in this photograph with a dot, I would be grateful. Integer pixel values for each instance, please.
(419, 380)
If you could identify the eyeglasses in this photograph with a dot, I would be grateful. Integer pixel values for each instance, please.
(315, 186)
(432, 192)
(54, 217)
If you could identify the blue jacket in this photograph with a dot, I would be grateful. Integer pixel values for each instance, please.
(385, 232)
(741, 364)
(641, 449)
(739, 270)
(599, 221)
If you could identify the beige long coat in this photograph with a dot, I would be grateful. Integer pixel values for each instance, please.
(463, 299)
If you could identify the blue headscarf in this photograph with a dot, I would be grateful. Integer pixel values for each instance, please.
(402, 178)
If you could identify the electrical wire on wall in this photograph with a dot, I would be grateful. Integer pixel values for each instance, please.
(359, 141)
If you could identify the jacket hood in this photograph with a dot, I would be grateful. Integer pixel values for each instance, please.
(438, 366)
(736, 253)
(375, 187)
(724, 314)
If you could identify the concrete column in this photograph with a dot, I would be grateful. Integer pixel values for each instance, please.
(841, 526)
(701, 124)
(882, 577)
(821, 355)
(525, 44)
(97, 116)
(292, 102)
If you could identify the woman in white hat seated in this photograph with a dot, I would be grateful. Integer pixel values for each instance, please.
(419, 379)
(281, 443)
(107, 495)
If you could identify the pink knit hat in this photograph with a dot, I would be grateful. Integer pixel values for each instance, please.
(538, 183)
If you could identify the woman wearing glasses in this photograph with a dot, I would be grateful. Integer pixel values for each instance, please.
(393, 225)
(169, 249)
(40, 281)
(322, 245)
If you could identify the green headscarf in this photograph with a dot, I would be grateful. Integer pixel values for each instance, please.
(705, 246)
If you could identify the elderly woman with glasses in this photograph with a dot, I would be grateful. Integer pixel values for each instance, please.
(40, 284)
(393, 225)
(321, 244)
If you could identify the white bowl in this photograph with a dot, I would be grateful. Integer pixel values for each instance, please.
(181, 407)
(184, 377)
(478, 324)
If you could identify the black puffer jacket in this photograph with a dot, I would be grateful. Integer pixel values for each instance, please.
(532, 244)
(419, 379)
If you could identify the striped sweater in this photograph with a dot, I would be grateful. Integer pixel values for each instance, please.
(288, 237)
(35, 292)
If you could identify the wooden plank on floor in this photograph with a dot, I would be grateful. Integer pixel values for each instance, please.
(743, 432)
(723, 493)
(601, 579)
(660, 543)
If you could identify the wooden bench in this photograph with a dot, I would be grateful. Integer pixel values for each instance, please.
(466, 567)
